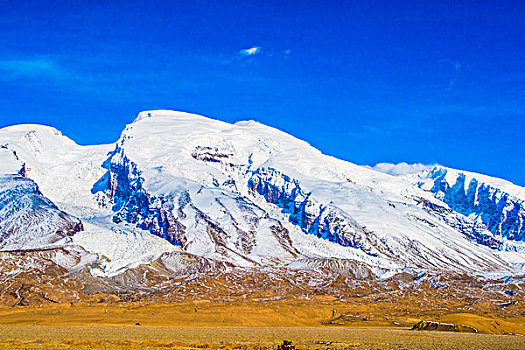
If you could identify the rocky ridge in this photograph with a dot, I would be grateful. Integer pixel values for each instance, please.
(245, 196)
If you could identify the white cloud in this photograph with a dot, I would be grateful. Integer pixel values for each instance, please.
(401, 168)
(254, 50)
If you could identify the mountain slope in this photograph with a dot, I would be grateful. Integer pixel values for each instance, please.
(498, 204)
(210, 187)
(28, 219)
(245, 195)
(63, 170)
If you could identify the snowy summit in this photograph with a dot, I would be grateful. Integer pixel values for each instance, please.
(247, 195)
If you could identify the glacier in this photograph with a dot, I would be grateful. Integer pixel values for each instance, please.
(479, 197)
(28, 219)
(249, 195)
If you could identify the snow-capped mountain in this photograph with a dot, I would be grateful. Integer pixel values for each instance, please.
(249, 195)
(498, 204)
(492, 204)
(28, 219)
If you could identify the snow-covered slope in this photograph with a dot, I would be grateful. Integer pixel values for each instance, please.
(63, 170)
(247, 195)
(492, 204)
(250, 194)
(498, 204)
(28, 219)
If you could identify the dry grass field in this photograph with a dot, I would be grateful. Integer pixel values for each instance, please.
(320, 323)
(43, 306)
(289, 313)
(157, 337)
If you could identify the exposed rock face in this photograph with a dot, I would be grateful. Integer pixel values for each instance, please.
(322, 220)
(472, 229)
(27, 218)
(175, 216)
(444, 327)
(123, 184)
(346, 267)
(502, 213)
(247, 195)
(210, 154)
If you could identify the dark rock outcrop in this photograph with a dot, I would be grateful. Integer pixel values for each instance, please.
(322, 220)
(444, 327)
(123, 185)
(27, 218)
(502, 213)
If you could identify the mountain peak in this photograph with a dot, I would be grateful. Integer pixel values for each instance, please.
(25, 128)
(248, 194)
(164, 113)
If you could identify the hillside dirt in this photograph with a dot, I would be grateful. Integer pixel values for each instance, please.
(43, 305)
(321, 322)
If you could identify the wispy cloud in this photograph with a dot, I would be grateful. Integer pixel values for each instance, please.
(401, 168)
(47, 72)
(452, 81)
(30, 68)
(254, 50)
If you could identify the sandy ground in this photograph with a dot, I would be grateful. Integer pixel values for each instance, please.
(244, 325)
(130, 337)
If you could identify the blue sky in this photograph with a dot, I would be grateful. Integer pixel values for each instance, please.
(367, 81)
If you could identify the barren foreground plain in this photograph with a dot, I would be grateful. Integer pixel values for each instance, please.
(158, 337)
(321, 322)
(43, 306)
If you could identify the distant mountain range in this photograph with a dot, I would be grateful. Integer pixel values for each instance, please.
(190, 193)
